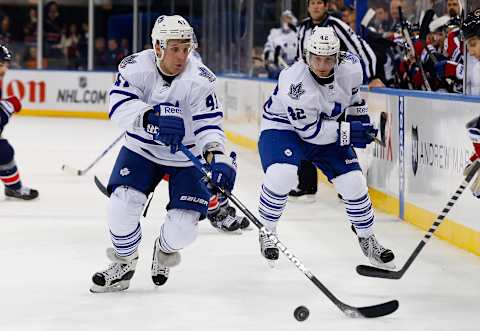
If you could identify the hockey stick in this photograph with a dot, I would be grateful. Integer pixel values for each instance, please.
(368, 311)
(408, 39)
(79, 172)
(370, 271)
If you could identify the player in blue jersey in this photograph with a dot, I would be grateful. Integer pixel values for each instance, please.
(9, 174)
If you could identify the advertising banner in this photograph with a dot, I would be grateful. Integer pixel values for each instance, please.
(59, 91)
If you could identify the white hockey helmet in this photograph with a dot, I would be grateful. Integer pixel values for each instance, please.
(172, 27)
(323, 41)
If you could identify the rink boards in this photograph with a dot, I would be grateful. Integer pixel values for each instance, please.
(413, 177)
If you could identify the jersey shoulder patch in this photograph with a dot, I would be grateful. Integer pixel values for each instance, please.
(205, 72)
(128, 60)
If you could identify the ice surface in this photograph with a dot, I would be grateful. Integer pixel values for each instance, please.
(50, 248)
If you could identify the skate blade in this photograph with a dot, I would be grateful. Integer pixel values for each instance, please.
(388, 266)
(120, 286)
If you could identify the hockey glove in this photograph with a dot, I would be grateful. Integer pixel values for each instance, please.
(165, 123)
(358, 112)
(224, 169)
(475, 184)
(448, 69)
(356, 133)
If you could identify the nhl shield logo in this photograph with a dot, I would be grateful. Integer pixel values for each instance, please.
(296, 91)
(414, 149)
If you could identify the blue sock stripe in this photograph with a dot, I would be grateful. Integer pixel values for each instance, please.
(273, 194)
(268, 217)
(355, 201)
(273, 201)
(123, 245)
(271, 205)
(367, 207)
(127, 236)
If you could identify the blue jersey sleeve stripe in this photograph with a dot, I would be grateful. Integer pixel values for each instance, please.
(276, 119)
(118, 104)
(128, 94)
(306, 127)
(319, 126)
(207, 127)
(207, 115)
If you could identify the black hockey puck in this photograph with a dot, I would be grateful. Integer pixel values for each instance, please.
(301, 313)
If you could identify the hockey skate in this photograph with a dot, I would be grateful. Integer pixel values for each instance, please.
(117, 275)
(268, 249)
(300, 195)
(242, 220)
(161, 264)
(23, 193)
(378, 255)
(224, 222)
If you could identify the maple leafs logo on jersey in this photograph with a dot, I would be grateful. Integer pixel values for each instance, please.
(128, 60)
(296, 91)
(204, 72)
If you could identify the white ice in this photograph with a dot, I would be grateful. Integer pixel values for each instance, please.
(50, 248)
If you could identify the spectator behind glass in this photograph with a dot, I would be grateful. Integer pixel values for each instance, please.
(125, 48)
(5, 35)
(453, 8)
(100, 54)
(70, 47)
(348, 16)
(382, 21)
(53, 31)
(30, 28)
(115, 54)
(83, 47)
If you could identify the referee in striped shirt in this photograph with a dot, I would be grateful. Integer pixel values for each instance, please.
(349, 40)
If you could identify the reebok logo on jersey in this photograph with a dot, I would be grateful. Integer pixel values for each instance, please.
(296, 91)
(350, 161)
(169, 110)
(189, 198)
(124, 172)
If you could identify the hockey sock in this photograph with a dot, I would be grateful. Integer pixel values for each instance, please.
(271, 207)
(360, 214)
(127, 244)
(9, 175)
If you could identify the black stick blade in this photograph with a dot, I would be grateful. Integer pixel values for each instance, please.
(382, 309)
(369, 271)
(101, 187)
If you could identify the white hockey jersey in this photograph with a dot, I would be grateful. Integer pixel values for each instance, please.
(287, 41)
(139, 86)
(299, 103)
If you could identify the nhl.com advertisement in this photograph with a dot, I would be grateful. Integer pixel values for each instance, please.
(59, 90)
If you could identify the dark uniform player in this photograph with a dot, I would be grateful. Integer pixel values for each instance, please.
(8, 168)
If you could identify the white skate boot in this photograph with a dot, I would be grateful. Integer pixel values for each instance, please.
(378, 255)
(161, 264)
(117, 275)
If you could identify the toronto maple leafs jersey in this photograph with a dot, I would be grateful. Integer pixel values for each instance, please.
(139, 86)
(299, 103)
(286, 42)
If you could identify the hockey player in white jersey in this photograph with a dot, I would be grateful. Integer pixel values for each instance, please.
(280, 50)
(162, 97)
(316, 113)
